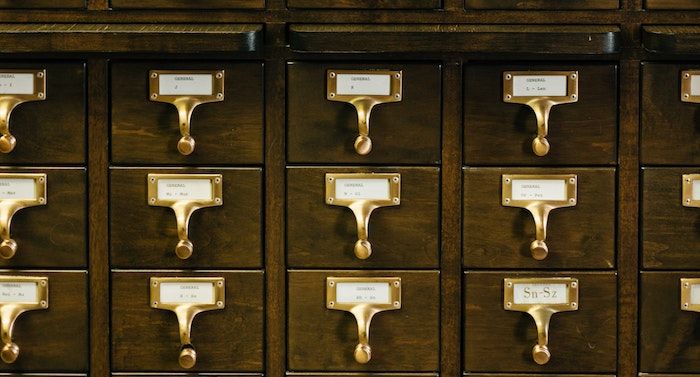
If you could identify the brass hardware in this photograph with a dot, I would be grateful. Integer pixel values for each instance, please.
(14, 301)
(340, 295)
(687, 287)
(541, 104)
(687, 78)
(186, 102)
(14, 198)
(11, 97)
(539, 299)
(539, 201)
(690, 200)
(366, 193)
(187, 305)
(206, 190)
(365, 102)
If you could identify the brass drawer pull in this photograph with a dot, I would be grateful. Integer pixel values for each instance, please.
(19, 294)
(17, 87)
(17, 191)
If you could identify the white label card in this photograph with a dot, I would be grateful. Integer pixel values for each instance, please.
(187, 293)
(363, 84)
(367, 188)
(695, 85)
(16, 83)
(186, 84)
(185, 189)
(534, 86)
(17, 189)
(540, 294)
(362, 293)
(539, 189)
(15, 292)
(695, 294)
(696, 190)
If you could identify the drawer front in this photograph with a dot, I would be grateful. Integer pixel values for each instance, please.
(365, 4)
(671, 4)
(226, 132)
(402, 236)
(580, 133)
(362, 374)
(321, 339)
(582, 341)
(55, 234)
(186, 4)
(145, 236)
(54, 339)
(496, 236)
(49, 131)
(146, 339)
(323, 131)
(29, 4)
(669, 125)
(542, 4)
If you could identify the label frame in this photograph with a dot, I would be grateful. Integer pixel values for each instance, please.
(394, 188)
(217, 75)
(39, 188)
(216, 184)
(42, 295)
(395, 85)
(571, 87)
(686, 87)
(394, 292)
(39, 93)
(571, 182)
(509, 292)
(219, 284)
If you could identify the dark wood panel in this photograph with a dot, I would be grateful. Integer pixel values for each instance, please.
(500, 133)
(672, 39)
(147, 339)
(227, 132)
(495, 236)
(28, 4)
(366, 4)
(363, 374)
(322, 131)
(187, 4)
(582, 341)
(320, 339)
(55, 234)
(55, 339)
(143, 236)
(671, 4)
(403, 236)
(526, 375)
(541, 4)
(456, 38)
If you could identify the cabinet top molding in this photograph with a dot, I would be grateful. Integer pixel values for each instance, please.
(676, 40)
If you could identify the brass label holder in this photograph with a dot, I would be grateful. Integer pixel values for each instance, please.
(690, 200)
(14, 198)
(363, 298)
(171, 190)
(14, 95)
(687, 287)
(20, 294)
(185, 101)
(535, 194)
(538, 298)
(363, 193)
(541, 103)
(187, 297)
(364, 96)
(687, 80)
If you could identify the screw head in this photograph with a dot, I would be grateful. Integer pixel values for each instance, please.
(155, 283)
(573, 284)
(40, 95)
(331, 303)
(395, 179)
(331, 283)
(332, 95)
(396, 284)
(40, 74)
(331, 179)
(219, 75)
(509, 76)
(397, 304)
(43, 283)
(396, 200)
(154, 75)
(508, 97)
(508, 180)
(154, 95)
(155, 303)
(509, 304)
(397, 96)
(572, 180)
(217, 200)
(43, 303)
(331, 75)
(41, 179)
(219, 95)
(574, 96)
(398, 75)
(220, 304)
(153, 200)
(686, 95)
(507, 200)
(220, 283)
(572, 200)
(573, 304)
(217, 180)
(573, 76)
(41, 200)
(687, 75)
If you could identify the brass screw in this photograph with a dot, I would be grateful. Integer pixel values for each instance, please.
(154, 75)
(572, 180)
(398, 75)
(509, 304)
(397, 96)
(219, 75)
(685, 305)
(687, 200)
(686, 285)
(687, 75)
(573, 76)
(153, 200)
(397, 304)
(573, 304)
(153, 179)
(509, 284)
(507, 200)
(40, 74)
(41, 200)
(331, 303)
(217, 200)
(331, 283)
(507, 180)
(219, 303)
(331, 75)
(572, 200)
(217, 180)
(573, 96)
(43, 283)
(41, 179)
(43, 303)
(154, 96)
(219, 95)
(332, 95)
(686, 95)
(509, 76)
(573, 284)
(155, 303)
(155, 283)
(396, 200)
(40, 95)
(395, 179)
(508, 97)
(330, 179)
(220, 283)
(330, 200)
(396, 283)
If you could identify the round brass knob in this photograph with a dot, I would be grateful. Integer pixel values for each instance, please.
(188, 357)
(363, 145)
(7, 143)
(8, 248)
(184, 249)
(540, 146)
(363, 353)
(539, 249)
(363, 249)
(9, 353)
(186, 145)
(540, 354)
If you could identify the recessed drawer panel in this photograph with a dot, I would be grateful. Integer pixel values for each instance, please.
(542, 4)
(671, 4)
(365, 4)
(186, 4)
(29, 4)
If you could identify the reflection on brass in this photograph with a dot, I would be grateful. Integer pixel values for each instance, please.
(9, 101)
(10, 309)
(541, 312)
(686, 90)
(8, 208)
(541, 105)
(539, 208)
(687, 302)
(185, 104)
(184, 208)
(186, 311)
(364, 103)
(688, 199)
(363, 311)
(362, 207)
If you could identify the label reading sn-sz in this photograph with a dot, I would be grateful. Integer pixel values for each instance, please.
(528, 86)
(695, 85)
(11, 292)
(363, 84)
(357, 293)
(368, 189)
(17, 189)
(16, 83)
(540, 294)
(184, 189)
(185, 84)
(539, 189)
(187, 293)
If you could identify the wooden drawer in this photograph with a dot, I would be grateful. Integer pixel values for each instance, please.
(187, 4)
(42, 4)
(500, 133)
(54, 339)
(324, 235)
(542, 4)
(669, 125)
(146, 339)
(671, 4)
(145, 236)
(226, 132)
(49, 131)
(362, 374)
(582, 341)
(321, 339)
(323, 131)
(499, 236)
(365, 4)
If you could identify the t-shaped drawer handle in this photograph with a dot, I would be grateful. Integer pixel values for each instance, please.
(18, 191)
